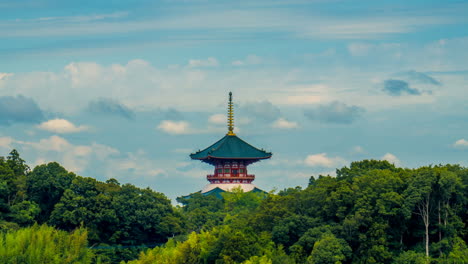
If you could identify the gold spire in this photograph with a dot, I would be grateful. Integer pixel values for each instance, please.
(230, 117)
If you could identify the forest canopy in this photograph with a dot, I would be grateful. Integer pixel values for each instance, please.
(371, 212)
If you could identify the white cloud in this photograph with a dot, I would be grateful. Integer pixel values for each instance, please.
(102, 151)
(285, 124)
(391, 158)
(321, 160)
(217, 119)
(358, 150)
(303, 94)
(53, 143)
(95, 160)
(383, 51)
(359, 49)
(82, 73)
(263, 110)
(4, 75)
(250, 60)
(461, 143)
(135, 84)
(243, 121)
(174, 127)
(302, 99)
(210, 62)
(61, 126)
(223, 24)
(75, 158)
(135, 166)
(85, 18)
(220, 119)
(82, 151)
(237, 63)
(5, 142)
(141, 86)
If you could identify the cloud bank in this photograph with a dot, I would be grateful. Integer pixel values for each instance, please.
(263, 110)
(109, 107)
(15, 109)
(420, 77)
(399, 88)
(335, 112)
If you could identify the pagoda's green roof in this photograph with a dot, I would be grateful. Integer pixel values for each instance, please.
(231, 147)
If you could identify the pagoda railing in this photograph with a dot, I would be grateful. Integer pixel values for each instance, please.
(237, 177)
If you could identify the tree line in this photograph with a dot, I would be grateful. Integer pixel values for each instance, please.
(120, 219)
(371, 212)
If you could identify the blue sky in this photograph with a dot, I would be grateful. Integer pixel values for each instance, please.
(128, 89)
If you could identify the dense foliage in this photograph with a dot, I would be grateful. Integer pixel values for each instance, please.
(43, 244)
(120, 219)
(371, 212)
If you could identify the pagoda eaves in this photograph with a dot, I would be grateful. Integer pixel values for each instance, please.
(231, 147)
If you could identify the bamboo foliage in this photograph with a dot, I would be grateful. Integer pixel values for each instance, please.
(44, 244)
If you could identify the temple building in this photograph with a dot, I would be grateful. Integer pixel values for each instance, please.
(230, 157)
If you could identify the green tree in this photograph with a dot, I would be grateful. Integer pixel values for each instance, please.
(330, 250)
(13, 204)
(17, 164)
(449, 192)
(410, 257)
(237, 245)
(378, 210)
(24, 213)
(13, 173)
(116, 214)
(202, 212)
(45, 186)
(431, 195)
(290, 229)
(459, 253)
(272, 210)
(302, 248)
(419, 199)
(237, 201)
(358, 168)
(196, 249)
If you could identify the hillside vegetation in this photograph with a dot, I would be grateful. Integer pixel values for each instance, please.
(371, 212)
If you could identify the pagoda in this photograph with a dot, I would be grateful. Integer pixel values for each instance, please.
(230, 157)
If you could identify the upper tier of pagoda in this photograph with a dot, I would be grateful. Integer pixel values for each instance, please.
(231, 147)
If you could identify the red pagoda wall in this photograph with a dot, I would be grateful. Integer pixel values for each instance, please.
(230, 171)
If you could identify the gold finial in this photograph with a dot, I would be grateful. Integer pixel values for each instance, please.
(230, 117)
